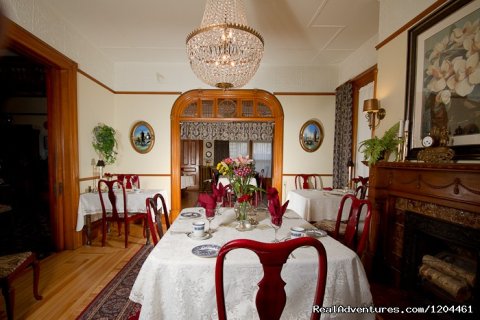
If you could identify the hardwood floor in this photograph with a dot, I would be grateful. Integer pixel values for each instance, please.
(69, 280)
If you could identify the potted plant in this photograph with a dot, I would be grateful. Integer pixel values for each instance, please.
(105, 143)
(376, 149)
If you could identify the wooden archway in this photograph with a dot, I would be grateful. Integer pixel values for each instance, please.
(265, 107)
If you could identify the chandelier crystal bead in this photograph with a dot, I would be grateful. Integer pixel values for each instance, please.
(224, 51)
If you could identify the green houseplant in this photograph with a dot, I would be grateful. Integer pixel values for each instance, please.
(105, 143)
(375, 149)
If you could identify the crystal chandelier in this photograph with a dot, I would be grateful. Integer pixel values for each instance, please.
(224, 52)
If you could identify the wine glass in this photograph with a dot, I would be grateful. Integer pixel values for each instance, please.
(210, 215)
(219, 205)
(276, 223)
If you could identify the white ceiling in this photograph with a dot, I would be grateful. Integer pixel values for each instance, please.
(296, 32)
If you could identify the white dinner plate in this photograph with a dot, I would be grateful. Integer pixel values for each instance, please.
(190, 215)
(316, 233)
(206, 250)
(204, 237)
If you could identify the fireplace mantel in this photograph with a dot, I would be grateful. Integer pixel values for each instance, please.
(448, 192)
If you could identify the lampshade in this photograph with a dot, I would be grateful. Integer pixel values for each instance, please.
(224, 52)
(370, 105)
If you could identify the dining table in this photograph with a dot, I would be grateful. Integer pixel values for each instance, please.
(176, 282)
(315, 204)
(90, 208)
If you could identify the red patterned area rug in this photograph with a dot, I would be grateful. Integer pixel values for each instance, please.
(113, 302)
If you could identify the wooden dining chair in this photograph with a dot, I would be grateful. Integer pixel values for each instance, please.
(12, 266)
(271, 297)
(130, 181)
(116, 215)
(308, 181)
(361, 191)
(346, 227)
(351, 238)
(154, 217)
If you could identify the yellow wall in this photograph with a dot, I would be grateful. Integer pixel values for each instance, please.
(391, 85)
(298, 110)
(154, 109)
(97, 104)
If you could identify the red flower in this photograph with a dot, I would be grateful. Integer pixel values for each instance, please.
(244, 198)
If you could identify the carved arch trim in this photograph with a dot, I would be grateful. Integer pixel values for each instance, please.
(260, 99)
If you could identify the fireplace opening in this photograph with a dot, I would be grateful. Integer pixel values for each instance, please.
(441, 260)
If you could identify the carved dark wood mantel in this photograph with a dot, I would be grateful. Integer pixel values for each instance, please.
(445, 192)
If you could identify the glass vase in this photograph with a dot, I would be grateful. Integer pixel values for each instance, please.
(242, 210)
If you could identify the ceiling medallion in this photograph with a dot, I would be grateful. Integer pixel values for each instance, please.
(224, 51)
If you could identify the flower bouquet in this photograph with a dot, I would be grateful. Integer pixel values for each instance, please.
(239, 172)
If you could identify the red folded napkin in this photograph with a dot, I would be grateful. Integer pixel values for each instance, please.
(272, 193)
(277, 211)
(207, 201)
(218, 191)
(328, 188)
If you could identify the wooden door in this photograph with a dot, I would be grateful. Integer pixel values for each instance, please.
(190, 160)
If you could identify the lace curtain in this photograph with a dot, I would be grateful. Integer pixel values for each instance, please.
(342, 150)
(236, 131)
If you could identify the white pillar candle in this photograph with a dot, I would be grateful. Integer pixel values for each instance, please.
(400, 129)
(406, 125)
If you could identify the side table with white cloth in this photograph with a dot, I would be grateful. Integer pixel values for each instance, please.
(315, 204)
(89, 205)
(173, 283)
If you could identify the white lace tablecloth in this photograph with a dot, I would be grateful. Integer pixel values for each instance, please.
(175, 284)
(89, 203)
(315, 205)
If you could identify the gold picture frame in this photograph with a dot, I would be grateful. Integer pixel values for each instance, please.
(142, 137)
(432, 107)
(311, 135)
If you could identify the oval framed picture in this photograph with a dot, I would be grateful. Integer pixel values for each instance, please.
(208, 144)
(311, 135)
(142, 137)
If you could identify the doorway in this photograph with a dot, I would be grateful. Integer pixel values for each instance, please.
(24, 183)
(225, 106)
(62, 126)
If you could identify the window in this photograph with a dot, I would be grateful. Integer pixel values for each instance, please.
(238, 148)
(262, 154)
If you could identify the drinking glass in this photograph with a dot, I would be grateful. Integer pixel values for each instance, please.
(210, 215)
(217, 208)
(276, 224)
